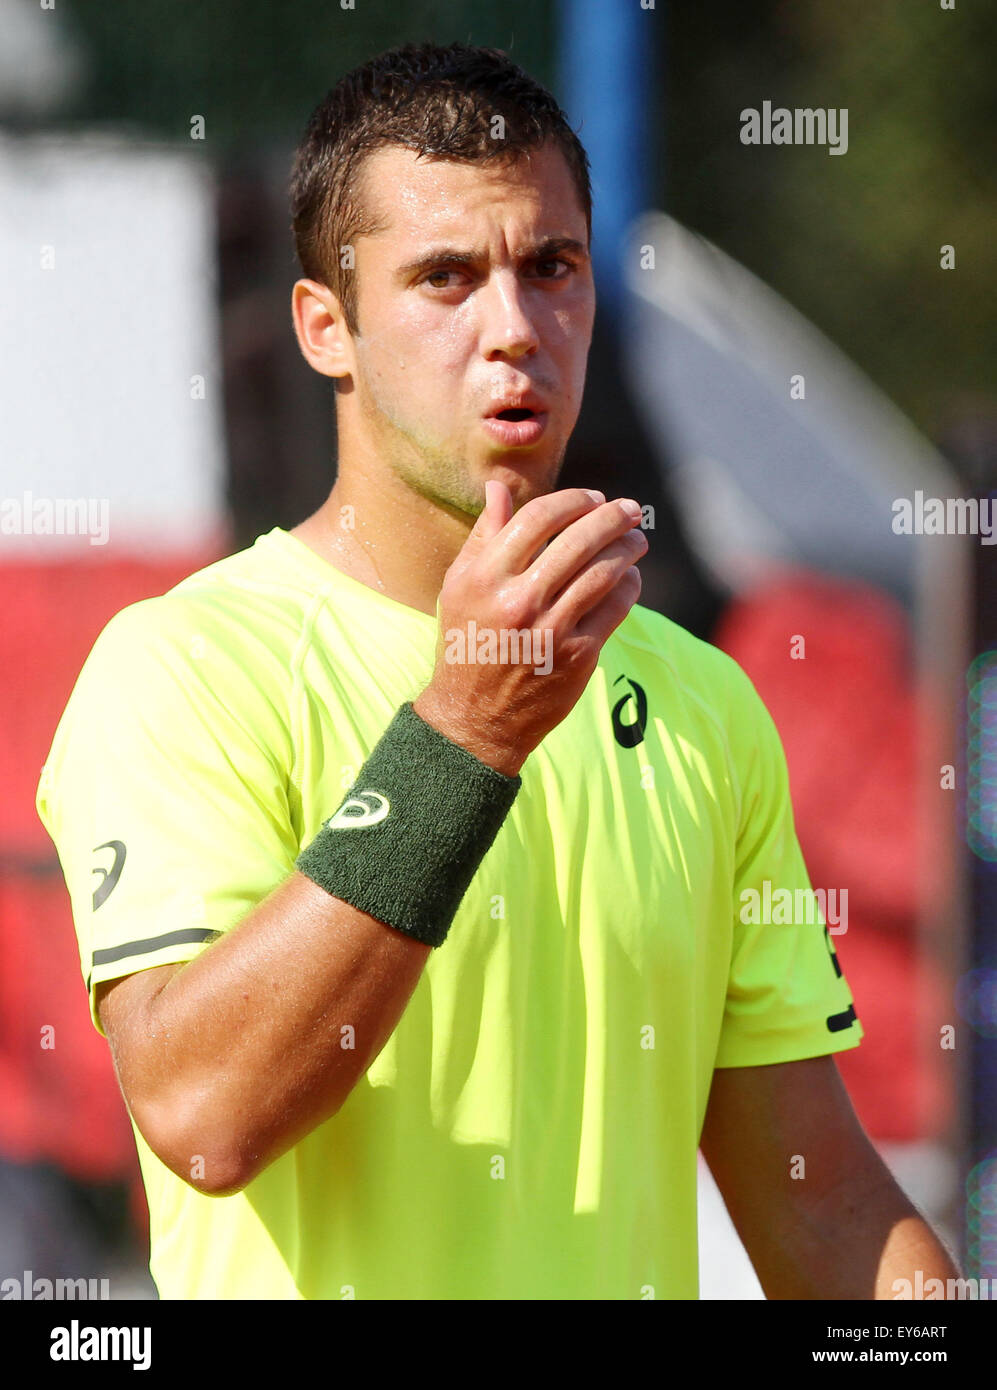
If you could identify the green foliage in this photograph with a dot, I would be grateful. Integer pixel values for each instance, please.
(256, 68)
(853, 241)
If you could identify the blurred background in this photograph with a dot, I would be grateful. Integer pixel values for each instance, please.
(789, 342)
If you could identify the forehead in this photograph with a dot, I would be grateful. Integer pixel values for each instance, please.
(416, 198)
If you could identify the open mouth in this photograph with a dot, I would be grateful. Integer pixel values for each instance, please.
(516, 426)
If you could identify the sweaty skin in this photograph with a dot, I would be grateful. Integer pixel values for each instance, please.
(443, 511)
(440, 342)
(416, 468)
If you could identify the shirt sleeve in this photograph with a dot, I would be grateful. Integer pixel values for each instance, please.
(166, 791)
(787, 997)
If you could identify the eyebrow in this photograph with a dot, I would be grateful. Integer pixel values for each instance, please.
(450, 255)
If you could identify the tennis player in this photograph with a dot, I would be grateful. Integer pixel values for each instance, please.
(407, 849)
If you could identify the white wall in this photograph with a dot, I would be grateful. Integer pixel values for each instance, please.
(107, 312)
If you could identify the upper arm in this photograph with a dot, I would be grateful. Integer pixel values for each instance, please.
(166, 792)
(765, 1123)
(798, 1174)
(123, 1006)
(786, 995)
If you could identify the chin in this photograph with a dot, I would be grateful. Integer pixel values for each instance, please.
(532, 476)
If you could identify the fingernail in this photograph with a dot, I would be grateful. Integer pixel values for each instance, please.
(596, 496)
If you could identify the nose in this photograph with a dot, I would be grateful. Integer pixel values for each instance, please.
(507, 326)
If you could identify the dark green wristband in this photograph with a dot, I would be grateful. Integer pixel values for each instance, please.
(414, 827)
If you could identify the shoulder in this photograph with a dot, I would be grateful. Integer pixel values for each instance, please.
(705, 702)
(221, 645)
(240, 611)
(673, 658)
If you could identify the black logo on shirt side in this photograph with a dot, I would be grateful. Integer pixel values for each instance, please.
(629, 735)
(109, 877)
(832, 952)
(836, 1022)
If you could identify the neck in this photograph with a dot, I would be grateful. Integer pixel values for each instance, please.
(376, 529)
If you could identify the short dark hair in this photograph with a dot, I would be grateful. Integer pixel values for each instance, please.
(442, 102)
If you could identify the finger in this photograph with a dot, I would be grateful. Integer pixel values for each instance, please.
(594, 580)
(489, 522)
(496, 512)
(534, 525)
(603, 620)
(498, 508)
(604, 534)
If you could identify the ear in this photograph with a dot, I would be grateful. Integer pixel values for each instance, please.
(320, 324)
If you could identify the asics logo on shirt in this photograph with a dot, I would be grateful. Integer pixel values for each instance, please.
(630, 734)
(356, 811)
(108, 877)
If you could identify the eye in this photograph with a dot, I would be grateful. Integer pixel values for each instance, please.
(553, 262)
(440, 279)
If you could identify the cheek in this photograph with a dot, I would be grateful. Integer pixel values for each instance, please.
(565, 325)
(413, 369)
(569, 339)
(399, 353)
(447, 338)
(425, 350)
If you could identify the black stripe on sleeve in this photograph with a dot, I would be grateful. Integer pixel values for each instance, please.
(152, 943)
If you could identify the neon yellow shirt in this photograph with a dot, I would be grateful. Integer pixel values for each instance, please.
(530, 1129)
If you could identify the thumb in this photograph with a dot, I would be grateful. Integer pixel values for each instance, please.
(490, 520)
(496, 512)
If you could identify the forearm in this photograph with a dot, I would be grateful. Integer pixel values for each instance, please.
(854, 1244)
(912, 1246)
(261, 1038)
(819, 1213)
(239, 1054)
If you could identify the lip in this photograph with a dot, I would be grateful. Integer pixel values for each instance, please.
(516, 434)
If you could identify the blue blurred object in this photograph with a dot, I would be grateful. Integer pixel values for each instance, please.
(606, 50)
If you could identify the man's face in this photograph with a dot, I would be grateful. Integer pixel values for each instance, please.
(476, 294)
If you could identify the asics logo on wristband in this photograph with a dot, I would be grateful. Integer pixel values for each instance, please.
(365, 809)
